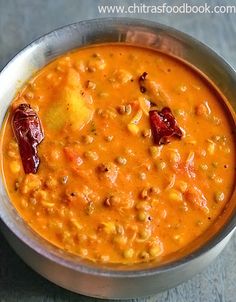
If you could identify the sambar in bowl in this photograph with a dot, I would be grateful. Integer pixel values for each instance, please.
(120, 154)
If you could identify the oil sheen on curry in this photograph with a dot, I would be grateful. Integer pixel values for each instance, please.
(118, 154)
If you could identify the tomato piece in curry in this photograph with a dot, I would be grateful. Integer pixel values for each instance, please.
(104, 190)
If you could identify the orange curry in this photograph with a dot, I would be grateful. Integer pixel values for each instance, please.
(105, 189)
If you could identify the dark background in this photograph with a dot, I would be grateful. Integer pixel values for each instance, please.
(21, 21)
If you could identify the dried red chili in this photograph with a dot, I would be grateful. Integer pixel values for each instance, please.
(163, 126)
(28, 132)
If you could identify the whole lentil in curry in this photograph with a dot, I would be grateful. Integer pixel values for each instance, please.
(103, 189)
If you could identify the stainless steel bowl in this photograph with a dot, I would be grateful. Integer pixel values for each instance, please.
(72, 272)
